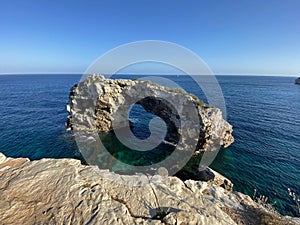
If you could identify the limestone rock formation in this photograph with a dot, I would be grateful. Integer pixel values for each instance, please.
(98, 103)
(62, 191)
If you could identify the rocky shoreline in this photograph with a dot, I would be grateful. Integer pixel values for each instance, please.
(63, 191)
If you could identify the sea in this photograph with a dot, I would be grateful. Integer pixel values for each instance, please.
(264, 112)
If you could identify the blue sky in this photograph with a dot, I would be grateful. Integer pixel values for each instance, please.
(232, 37)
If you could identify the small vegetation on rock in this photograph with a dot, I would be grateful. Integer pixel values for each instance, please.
(263, 201)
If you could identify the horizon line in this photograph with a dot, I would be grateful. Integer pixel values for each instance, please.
(153, 74)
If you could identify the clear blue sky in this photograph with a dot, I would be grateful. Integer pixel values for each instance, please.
(232, 37)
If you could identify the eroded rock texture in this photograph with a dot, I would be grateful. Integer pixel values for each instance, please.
(98, 103)
(62, 191)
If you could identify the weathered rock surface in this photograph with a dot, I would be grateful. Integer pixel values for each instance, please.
(62, 191)
(96, 103)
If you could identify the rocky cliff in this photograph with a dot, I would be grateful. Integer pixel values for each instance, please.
(62, 191)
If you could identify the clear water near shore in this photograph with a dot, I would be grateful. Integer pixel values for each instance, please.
(264, 112)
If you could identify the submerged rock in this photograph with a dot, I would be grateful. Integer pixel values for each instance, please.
(62, 191)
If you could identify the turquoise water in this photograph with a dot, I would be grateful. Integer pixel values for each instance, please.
(263, 110)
